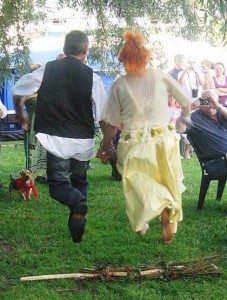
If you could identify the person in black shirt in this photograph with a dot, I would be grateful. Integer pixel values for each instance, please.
(179, 61)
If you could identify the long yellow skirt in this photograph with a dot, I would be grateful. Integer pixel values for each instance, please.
(150, 164)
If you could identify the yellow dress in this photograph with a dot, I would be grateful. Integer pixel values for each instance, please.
(148, 155)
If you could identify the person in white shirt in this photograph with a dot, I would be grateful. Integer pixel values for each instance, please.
(191, 82)
(67, 90)
(3, 114)
(3, 110)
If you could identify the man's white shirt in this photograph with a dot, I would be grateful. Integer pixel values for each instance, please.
(65, 148)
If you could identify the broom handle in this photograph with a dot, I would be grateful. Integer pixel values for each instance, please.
(146, 273)
(57, 276)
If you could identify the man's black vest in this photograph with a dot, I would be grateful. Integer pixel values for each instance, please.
(64, 105)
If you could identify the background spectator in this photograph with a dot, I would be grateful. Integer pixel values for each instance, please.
(208, 131)
(36, 156)
(3, 114)
(208, 82)
(220, 82)
(179, 61)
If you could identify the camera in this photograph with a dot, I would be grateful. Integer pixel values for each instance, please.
(195, 93)
(203, 101)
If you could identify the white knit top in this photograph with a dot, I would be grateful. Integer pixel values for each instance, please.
(138, 101)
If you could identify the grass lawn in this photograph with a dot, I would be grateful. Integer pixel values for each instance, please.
(34, 240)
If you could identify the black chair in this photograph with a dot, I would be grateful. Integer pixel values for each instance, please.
(206, 179)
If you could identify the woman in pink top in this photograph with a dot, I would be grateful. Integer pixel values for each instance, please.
(220, 82)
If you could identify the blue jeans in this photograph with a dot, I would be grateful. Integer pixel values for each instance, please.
(68, 190)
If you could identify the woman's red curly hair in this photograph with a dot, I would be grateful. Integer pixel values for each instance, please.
(134, 55)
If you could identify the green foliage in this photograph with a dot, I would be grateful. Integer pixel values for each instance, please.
(105, 48)
(192, 19)
(159, 55)
(16, 17)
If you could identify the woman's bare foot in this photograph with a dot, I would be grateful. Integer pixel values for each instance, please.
(144, 230)
(167, 227)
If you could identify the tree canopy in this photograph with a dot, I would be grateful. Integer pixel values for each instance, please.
(16, 18)
(192, 19)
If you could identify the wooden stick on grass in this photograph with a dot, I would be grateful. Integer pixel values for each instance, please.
(171, 271)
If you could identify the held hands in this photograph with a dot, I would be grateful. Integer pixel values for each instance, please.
(105, 151)
(103, 155)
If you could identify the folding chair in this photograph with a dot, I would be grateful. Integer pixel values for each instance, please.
(206, 179)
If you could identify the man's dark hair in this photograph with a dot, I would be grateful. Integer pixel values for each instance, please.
(75, 42)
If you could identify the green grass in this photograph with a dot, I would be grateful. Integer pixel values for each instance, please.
(34, 240)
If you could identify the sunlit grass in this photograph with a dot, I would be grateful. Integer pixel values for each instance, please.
(34, 240)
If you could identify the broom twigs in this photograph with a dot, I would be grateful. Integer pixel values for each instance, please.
(195, 268)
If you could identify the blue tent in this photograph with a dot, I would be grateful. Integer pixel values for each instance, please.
(7, 97)
(48, 55)
(44, 57)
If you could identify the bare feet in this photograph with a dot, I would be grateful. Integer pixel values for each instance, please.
(167, 227)
(144, 230)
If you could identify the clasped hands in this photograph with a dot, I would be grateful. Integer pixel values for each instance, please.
(103, 155)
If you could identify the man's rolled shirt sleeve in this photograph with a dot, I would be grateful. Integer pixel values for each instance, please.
(28, 84)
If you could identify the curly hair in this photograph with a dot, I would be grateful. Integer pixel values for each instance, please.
(134, 55)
